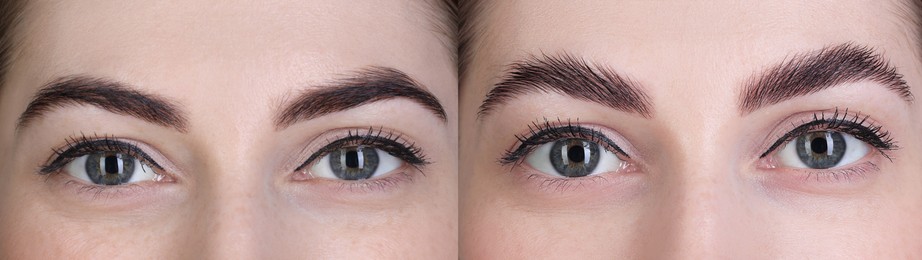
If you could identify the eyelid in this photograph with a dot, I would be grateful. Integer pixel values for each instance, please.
(81, 145)
(387, 140)
(863, 127)
(540, 133)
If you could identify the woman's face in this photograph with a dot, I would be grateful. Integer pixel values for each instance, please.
(245, 130)
(700, 129)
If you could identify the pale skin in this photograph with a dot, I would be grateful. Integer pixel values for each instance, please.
(230, 191)
(699, 190)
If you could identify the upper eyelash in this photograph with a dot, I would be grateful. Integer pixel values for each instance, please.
(393, 144)
(542, 133)
(82, 145)
(856, 125)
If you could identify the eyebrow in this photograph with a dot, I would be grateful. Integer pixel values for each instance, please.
(109, 95)
(365, 86)
(811, 72)
(570, 76)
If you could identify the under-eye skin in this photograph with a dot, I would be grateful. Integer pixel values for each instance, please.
(833, 145)
(102, 164)
(565, 151)
(372, 158)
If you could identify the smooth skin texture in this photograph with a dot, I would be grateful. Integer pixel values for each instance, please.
(230, 68)
(699, 190)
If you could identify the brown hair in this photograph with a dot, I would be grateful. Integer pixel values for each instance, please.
(10, 16)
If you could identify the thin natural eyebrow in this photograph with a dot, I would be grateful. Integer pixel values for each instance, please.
(365, 86)
(109, 95)
(811, 72)
(571, 76)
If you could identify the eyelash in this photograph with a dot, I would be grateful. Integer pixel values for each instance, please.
(78, 146)
(855, 125)
(387, 141)
(540, 133)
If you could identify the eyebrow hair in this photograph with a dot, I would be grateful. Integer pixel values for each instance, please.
(112, 96)
(571, 76)
(365, 86)
(811, 72)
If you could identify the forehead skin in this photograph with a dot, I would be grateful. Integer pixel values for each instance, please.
(691, 57)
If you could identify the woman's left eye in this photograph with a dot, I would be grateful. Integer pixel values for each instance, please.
(573, 157)
(110, 168)
(822, 150)
(355, 163)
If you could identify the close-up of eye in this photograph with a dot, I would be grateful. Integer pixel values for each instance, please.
(822, 150)
(566, 150)
(110, 168)
(355, 163)
(837, 141)
(360, 156)
(103, 161)
(573, 157)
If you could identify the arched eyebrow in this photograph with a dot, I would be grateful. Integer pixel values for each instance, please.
(571, 76)
(366, 86)
(109, 95)
(811, 72)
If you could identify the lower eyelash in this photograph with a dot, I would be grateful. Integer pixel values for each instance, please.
(393, 144)
(544, 132)
(836, 175)
(381, 184)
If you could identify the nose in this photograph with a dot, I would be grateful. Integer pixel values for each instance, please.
(702, 207)
(233, 216)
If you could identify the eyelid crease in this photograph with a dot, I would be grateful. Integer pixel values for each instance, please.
(542, 133)
(854, 124)
(385, 140)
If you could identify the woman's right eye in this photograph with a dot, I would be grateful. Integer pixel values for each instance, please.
(573, 157)
(110, 168)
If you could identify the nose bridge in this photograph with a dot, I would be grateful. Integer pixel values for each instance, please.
(702, 192)
(235, 198)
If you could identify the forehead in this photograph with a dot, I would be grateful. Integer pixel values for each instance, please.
(257, 42)
(654, 39)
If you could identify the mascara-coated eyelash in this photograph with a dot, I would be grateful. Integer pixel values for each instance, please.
(545, 132)
(393, 144)
(82, 145)
(855, 125)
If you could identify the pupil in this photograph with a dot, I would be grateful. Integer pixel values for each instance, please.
(111, 164)
(576, 153)
(818, 145)
(352, 159)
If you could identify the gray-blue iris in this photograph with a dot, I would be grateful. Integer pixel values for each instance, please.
(109, 168)
(574, 157)
(820, 150)
(354, 163)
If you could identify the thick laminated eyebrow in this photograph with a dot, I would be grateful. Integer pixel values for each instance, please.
(814, 71)
(571, 76)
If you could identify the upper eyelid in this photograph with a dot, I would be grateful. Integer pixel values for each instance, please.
(62, 157)
(835, 121)
(536, 130)
(371, 135)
